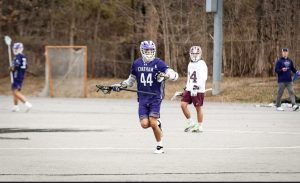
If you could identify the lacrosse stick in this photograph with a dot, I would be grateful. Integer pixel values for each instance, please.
(8, 43)
(179, 94)
(107, 90)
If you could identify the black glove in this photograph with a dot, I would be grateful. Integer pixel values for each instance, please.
(116, 87)
(11, 68)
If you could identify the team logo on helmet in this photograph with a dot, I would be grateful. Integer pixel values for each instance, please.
(195, 53)
(148, 50)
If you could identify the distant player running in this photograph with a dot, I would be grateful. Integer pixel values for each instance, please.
(150, 73)
(195, 89)
(18, 69)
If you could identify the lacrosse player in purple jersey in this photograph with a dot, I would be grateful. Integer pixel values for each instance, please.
(150, 74)
(18, 69)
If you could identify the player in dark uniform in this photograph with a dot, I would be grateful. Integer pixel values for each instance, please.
(18, 69)
(150, 73)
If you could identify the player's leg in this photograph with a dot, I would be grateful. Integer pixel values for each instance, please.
(17, 95)
(23, 99)
(144, 115)
(198, 103)
(15, 108)
(280, 90)
(153, 116)
(14, 88)
(292, 96)
(185, 101)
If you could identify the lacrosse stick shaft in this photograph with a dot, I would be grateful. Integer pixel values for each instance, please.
(109, 88)
(10, 64)
(144, 92)
(8, 43)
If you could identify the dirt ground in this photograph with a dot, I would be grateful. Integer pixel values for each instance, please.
(233, 89)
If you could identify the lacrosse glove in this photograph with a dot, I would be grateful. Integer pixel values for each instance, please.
(161, 76)
(194, 91)
(118, 87)
(11, 68)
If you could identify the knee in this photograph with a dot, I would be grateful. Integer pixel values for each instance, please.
(153, 122)
(183, 105)
(144, 123)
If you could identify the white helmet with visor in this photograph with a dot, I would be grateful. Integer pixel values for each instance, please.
(148, 50)
(195, 53)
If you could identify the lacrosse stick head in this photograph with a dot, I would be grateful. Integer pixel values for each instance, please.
(7, 40)
(104, 89)
(177, 95)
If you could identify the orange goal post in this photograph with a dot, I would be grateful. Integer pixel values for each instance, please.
(65, 71)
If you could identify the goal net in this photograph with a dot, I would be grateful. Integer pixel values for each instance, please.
(66, 71)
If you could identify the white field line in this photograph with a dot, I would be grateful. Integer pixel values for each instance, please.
(255, 132)
(133, 148)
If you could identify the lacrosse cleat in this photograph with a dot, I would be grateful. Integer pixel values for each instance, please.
(159, 150)
(295, 107)
(28, 106)
(15, 108)
(189, 126)
(197, 128)
(279, 109)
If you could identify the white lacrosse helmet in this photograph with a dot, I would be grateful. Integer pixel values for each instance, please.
(195, 53)
(18, 48)
(148, 50)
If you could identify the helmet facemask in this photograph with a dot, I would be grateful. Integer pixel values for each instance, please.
(195, 53)
(148, 51)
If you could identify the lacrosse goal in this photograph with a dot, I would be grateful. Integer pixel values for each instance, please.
(66, 71)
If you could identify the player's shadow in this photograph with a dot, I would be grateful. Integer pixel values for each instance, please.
(39, 130)
(288, 100)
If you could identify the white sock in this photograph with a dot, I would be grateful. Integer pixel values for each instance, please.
(28, 104)
(160, 143)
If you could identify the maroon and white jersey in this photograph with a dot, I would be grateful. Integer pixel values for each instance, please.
(197, 75)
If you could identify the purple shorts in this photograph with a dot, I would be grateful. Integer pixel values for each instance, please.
(196, 100)
(16, 85)
(149, 108)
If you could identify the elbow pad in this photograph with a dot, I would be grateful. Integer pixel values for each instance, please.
(130, 81)
(172, 74)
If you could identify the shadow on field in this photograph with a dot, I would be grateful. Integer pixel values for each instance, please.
(25, 130)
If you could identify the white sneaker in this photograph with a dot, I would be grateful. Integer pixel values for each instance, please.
(295, 107)
(159, 150)
(28, 106)
(189, 126)
(279, 109)
(15, 108)
(197, 128)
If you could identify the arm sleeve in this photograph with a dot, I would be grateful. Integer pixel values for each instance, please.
(202, 75)
(204, 72)
(293, 68)
(278, 67)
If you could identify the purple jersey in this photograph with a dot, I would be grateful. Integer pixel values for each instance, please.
(20, 66)
(145, 74)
